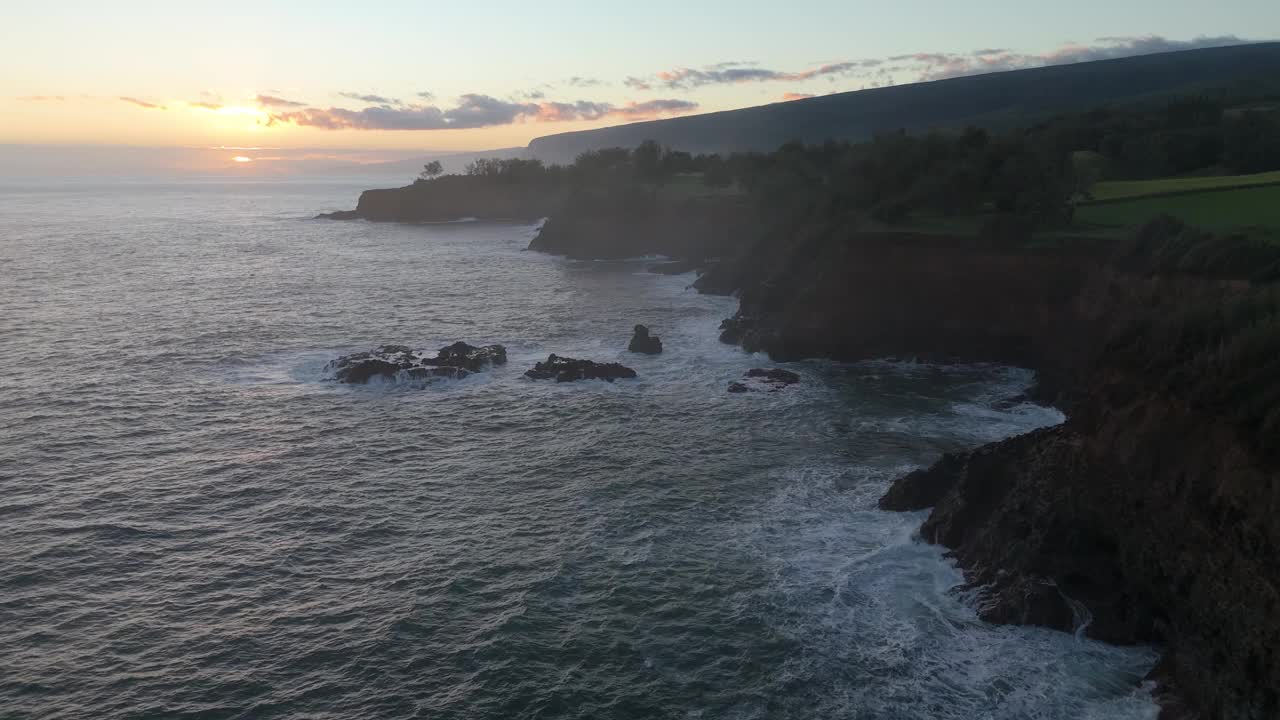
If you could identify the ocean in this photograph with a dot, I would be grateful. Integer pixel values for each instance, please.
(195, 522)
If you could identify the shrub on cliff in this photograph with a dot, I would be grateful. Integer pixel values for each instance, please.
(1215, 345)
(1167, 245)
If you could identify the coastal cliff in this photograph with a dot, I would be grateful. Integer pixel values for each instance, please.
(1148, 516)
(453, 198)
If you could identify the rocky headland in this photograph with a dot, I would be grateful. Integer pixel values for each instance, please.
(454, 198)
(1150, 515)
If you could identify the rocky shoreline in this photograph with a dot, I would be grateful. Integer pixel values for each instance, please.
(1146, 518)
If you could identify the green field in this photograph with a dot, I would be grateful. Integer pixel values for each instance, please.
(1255, 207)
(1117, 189)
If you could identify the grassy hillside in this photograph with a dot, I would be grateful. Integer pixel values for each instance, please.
(1224, 210)
(996, 100)
(1130, 189)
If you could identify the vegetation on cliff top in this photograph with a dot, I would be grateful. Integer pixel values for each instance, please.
(1220, 351)
(1069, 174)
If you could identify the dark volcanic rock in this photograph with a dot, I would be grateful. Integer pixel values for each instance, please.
(862, 296)
(643, 342)
(454, 361)
(776, 376)
(923, 488)
(716, 278)
(1148, 515)
(569, 369)
(428, 373)
(1015, 516)
(732, 330)
(774, 379)
(470, 357)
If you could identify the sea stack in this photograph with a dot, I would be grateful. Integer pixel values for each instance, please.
(643, 342)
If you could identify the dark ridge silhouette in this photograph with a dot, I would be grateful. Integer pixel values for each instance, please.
(994, 100)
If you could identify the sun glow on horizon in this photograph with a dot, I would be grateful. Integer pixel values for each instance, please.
(241, 159)
(241, 110)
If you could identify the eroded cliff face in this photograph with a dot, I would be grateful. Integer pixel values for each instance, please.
(939, 298)
(697, 229)
(1149, 516)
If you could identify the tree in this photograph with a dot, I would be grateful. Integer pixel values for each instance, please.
(647, 160)
(1253, 143)
(431, 170)
(1088, 168)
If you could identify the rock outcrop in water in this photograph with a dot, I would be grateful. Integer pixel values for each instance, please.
(770, 379)
(563, 369)
(643, 342)
(774, 376)
(392, 361)
(469, 357)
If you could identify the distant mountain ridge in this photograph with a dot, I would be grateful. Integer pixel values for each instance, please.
(989, 100)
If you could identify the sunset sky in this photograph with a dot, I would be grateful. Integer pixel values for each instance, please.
(423, 76)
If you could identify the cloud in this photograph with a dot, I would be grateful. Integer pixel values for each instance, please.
(142, 103)
(273, 101)
(938, 66)
(474, 111)
(653, 108)
(564, 112)
(205, 105)
(585, 110)
(425, 95)
(369, 98)
(583, 82)
(42, 98)
(737, 73)
(787, 97)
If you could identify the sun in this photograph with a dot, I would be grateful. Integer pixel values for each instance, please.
(242, 159)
